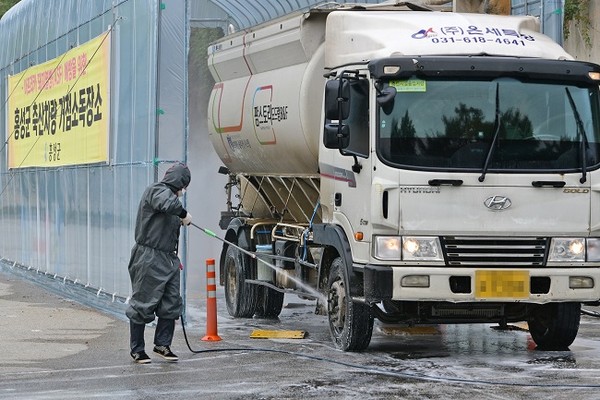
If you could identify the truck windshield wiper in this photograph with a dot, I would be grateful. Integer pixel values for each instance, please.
(490, 152)
(581, 132)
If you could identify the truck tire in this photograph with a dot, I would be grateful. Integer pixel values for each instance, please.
(350, 324)
(239, 295)
(554, 326)
(270, 303)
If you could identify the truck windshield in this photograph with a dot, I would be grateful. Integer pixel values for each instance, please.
(452, 125)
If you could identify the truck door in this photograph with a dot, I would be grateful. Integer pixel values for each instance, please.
(352, 201)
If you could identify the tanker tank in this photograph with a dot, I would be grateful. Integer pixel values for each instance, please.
(264, 111)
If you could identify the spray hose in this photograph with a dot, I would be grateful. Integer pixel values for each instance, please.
(214, 235)
(249, 253)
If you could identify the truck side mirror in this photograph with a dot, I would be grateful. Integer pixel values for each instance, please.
(337, 99)
(336, 136)
(386, 98)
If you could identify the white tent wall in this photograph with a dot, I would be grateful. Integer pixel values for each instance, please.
(76, 223)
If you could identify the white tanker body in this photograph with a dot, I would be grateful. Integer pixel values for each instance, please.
(264, 110)
(447, 177)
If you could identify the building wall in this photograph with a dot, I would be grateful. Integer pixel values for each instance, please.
(575, 43)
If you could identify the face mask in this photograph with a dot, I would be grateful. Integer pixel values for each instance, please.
(181, 193)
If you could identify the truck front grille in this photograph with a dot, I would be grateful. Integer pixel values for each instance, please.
(495, 251)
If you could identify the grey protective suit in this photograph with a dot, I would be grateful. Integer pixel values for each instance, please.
(154, 264)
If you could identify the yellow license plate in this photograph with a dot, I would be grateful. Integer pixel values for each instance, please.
(501, 284)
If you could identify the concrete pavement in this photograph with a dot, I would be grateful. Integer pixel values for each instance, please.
(38, 327)
(53, 347)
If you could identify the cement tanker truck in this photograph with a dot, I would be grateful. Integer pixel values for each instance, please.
(410, 166)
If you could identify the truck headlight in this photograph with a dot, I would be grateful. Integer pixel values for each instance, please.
(388, 247)
(421, 248)
(408, 248)
(567, 250)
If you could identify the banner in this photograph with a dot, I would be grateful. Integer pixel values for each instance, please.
(58, 111)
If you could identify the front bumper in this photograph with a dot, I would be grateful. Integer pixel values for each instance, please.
(459, 284)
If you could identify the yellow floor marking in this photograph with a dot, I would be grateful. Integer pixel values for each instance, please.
(265, 334)
(522, 325)
(410, 330)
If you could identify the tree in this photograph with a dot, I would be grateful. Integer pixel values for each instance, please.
(475, 6)
(468, 123)
(407, 128)
(577, 14)
(5, 5)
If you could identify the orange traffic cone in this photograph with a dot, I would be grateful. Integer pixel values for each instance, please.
(211, 302)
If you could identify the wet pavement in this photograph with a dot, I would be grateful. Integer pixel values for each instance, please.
(56, 348)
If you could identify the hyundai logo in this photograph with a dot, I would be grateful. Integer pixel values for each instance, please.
(497, 203)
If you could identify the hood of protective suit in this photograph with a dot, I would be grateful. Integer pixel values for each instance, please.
(177, 177)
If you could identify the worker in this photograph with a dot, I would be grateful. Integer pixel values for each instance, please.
(154, 267)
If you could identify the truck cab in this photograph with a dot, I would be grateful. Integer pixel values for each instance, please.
(481, 203)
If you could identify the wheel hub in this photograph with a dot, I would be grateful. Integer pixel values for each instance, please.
(336, 301)
(231, 278)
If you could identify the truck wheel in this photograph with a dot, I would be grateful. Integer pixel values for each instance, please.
(270, 303)
(554, 326)
(239, 295)
(350, 324)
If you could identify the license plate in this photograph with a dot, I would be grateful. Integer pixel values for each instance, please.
(501, 284)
